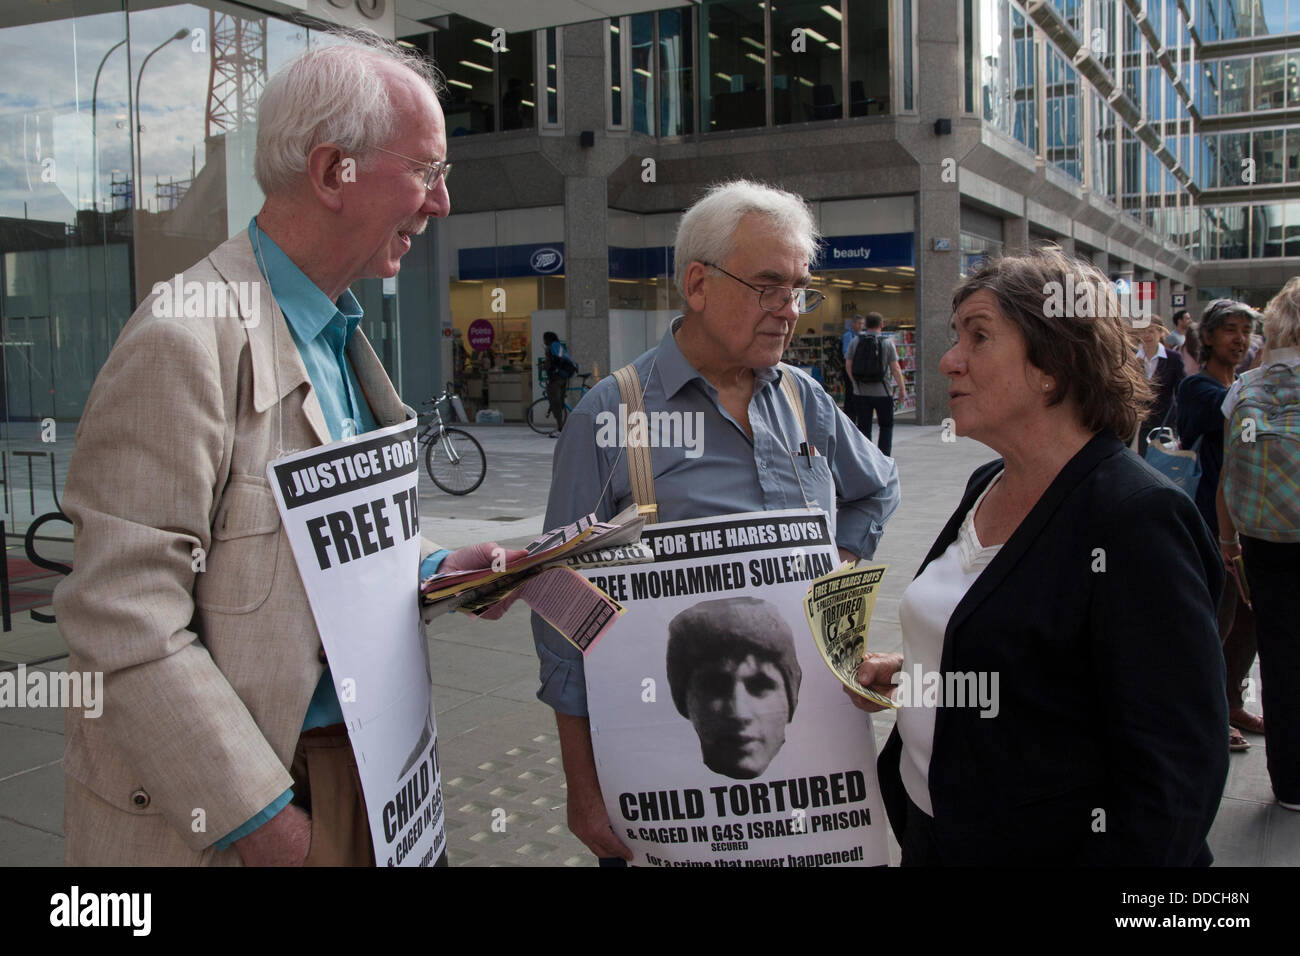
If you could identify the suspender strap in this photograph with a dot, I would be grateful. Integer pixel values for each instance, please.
(640, 474)
(792, 396)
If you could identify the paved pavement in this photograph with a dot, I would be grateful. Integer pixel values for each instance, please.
(498, 742)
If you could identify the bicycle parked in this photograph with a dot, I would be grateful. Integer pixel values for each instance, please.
(453, 457)
(540, 418)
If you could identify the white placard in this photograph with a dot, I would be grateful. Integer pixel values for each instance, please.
(351, 513)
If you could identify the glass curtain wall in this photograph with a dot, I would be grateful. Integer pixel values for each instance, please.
(733, 66)
(1007, 70)
(807, 75)
(676, 65)
(491, 84)
(806, 43)
(127, 134)
(869, 78)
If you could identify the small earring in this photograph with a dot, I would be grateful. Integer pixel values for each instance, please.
(1046, 386)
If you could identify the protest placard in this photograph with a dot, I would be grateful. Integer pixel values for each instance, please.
(351, 515)
(720, 737)
(838, 607)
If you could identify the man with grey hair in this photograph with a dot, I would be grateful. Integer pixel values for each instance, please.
(771, 437)
(222, 739)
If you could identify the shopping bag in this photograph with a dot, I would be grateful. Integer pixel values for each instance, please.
(1182, 466)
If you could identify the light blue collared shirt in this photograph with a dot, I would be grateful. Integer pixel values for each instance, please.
(846, 340)
(321, 330)
(733, 474)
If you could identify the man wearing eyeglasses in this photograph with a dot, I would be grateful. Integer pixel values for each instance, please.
(742, 265)
(222, 740)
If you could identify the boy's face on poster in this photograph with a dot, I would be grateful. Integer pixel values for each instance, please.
(739, 708)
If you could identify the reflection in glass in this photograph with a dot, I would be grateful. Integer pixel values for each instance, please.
(1292, 232)
(1266, 230)
(615, 73)
(1209, 88)
(515, 77)
(1130, 169)
(1234, 232)
(732, 67)
(806, 78)
(1270, 17)
(1270, 82)
(1234, 95)
(1024, 85)
(642, 40)
(1207, 20)
(1062, 114)
(552, 78)
(1234, 150)
(676, 48)
(66, 176)
(1268, 153)
(463, 51)
(869, 79)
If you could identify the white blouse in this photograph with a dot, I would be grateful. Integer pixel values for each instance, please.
(924, 611)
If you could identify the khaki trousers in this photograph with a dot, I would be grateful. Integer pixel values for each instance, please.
(327, 785)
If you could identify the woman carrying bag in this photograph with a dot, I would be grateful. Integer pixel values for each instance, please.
(1225, 337)
(1163, 371)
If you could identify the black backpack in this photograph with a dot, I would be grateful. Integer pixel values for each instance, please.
(869, 358)
(561, 366)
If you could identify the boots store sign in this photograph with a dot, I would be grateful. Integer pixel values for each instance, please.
(370, 9)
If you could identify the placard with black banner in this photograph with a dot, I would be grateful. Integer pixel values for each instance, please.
(351, 513)
(720, 737)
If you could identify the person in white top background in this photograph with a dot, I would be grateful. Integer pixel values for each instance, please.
(1163, 371)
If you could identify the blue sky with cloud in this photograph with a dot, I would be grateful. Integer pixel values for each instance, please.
(45, 103)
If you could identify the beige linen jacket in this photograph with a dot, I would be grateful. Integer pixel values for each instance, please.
(208, 673)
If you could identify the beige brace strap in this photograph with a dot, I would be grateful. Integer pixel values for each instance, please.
(793, 397)
(640, 474)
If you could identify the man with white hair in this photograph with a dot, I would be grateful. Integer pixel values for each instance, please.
(772, 438)
(221, 739)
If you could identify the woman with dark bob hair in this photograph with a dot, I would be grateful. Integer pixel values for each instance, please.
(1102, 739)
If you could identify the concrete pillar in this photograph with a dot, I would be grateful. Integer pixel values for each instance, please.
(1067, 245)
(586, 270)
(1101, 259)
(938, 273)
(586, 252)
(1163, 309)
(938, 213)
(1015, 234)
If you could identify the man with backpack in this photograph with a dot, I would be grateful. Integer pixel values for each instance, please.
(859, 325)
(870, 359)
(560, 367)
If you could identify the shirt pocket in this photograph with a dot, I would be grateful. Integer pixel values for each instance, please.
(817, 482)
(241, 564)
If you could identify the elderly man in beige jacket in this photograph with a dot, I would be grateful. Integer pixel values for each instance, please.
(215, 678)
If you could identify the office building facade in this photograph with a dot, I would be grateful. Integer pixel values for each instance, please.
(1151, 136)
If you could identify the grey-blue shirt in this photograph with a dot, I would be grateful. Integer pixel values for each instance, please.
(720, 471)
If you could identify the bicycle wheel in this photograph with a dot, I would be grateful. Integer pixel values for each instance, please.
(455, 461)
(540, 418)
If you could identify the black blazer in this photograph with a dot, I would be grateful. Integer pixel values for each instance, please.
(1106, 701)
(1169, 372)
